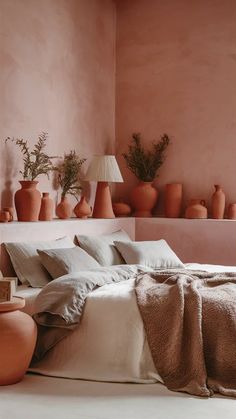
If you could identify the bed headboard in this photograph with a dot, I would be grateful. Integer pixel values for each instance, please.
(50, 230)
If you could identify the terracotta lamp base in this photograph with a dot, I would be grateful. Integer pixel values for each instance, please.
(103, 205)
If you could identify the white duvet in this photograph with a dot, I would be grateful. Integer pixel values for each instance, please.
(110, 343)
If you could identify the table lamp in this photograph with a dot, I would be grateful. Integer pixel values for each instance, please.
(103, 169)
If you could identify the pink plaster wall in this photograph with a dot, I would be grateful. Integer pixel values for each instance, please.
(176, 73)
(57, 74)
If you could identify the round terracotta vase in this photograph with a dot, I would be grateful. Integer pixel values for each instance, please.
(143, 199)
(64, 209)
(28, 201)
(46, 209)
(82, 209)
(173, 200)
(121, 209)
(196, 209)
(18, 338)
(218, 203)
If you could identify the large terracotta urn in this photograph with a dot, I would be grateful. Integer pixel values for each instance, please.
(218, 203)
(143, 199)
(28, 201)
(173, 200)
(18, 333)
(82, 209)
(64, 209)
(46, 209)
(196, 209)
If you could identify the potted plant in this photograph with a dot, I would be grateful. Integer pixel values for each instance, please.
(68, 177)
(35, 162)
(145, 164)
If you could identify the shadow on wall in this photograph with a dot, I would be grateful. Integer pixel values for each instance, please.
(8, 173)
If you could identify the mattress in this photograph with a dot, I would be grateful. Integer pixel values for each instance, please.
(110, 344)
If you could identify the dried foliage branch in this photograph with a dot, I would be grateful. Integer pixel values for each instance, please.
(144, 164)
(68, 176)
(36, 162)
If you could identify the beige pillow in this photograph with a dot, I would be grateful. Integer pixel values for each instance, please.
(60, 262)
(26, 261)
(102, 247)
(155, 254)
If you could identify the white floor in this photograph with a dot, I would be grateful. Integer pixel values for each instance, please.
(38, 397)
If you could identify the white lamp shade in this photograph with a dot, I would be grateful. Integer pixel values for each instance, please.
(104, 169)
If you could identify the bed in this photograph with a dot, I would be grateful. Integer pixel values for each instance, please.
(110, 344)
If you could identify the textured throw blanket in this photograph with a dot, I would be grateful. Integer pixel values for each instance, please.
(190, 322)
(59, 306)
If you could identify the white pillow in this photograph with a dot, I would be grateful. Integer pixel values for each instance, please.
(155, 254)
(102, 247)
(59, 262)
(26, 261)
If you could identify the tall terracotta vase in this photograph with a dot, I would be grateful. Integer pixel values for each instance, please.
(28, 201)
(64, 209)
(143, 199)
(46, 209)
(218, 203)
(173, 200)
(82, 209)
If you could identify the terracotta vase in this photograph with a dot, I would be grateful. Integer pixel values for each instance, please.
(218, 203)
(196, 209)
(5, 216)
(28, 201)
(173, 200)
(18, 338)
(46, 209)
(82, 209)
(121, 209)
(143, 199)
(64, 209)
(232, 212)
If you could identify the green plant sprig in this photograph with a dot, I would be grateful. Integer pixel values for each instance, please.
(69, 174)
(144, 164)
(35, 162)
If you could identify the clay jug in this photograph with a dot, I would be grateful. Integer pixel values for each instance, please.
(232, 212)
(46, 209)
(18, 338)
(82, 209)
(218, 203)
(196, 209)
(143, 199)
(64, 209)
(173, 200)
(5, 216)
(11, 211)
(28, 201)
(121, 209)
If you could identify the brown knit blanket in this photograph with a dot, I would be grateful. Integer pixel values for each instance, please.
(190, 322)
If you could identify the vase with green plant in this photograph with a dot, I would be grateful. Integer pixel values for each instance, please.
(145, 165)
(35, 162)
(69, 180)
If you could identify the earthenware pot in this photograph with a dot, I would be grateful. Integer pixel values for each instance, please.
(232, 212)
(46, 209)
(28, 201)
(173, 200)
(143, 199)
(64, 209)
(11, 212)
(5, 216)
(218, 203)
(196, 209)
(121, 209)
(82, 209)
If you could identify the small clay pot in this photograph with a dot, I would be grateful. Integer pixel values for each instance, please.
(82, 209)
(196, 209)
(64, 209)
(47, 206)
(11, 212)
(5, 216)
(232, 212)
(121, 209)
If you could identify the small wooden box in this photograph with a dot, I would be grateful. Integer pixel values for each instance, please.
(6, 290)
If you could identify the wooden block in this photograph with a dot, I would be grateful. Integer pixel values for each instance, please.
(14, 282)
(5, 290)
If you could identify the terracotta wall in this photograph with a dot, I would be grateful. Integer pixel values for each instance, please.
(57, 67)
(176, 73)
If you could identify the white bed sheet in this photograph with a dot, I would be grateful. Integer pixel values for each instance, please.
(110, 343)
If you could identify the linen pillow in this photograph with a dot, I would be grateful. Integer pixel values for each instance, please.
(102, 247)
(60, 262)
(26, 261)
(155, 254)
